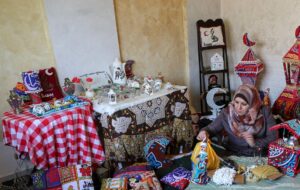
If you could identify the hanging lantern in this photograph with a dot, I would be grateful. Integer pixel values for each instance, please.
(287, 104)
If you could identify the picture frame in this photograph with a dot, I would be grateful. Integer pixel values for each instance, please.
(211, 33)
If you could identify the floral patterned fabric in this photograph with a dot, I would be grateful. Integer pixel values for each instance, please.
(125, 130)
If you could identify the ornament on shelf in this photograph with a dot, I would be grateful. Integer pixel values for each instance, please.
(216, 62)
(213, 82)
(112, 97)
(215, 109)
(249, 67)
(15, 102)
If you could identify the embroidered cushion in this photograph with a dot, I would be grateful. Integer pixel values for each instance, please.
(50, 84)
(39, 180)
(155, 151)
(178, 178)
(76, 177)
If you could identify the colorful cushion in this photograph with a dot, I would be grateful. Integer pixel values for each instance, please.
(50, 84)
(76, 177)
(178, 178)
(138, 175)
(114, 184)
(52, 178)
(155, 151)
(39, 180)
(32, 81)
(131, 171)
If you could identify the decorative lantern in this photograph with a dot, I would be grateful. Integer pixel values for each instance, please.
(287, 104)
(285, 153)
(216, 62)
(112, 97)
(250, 66)
(32, 83)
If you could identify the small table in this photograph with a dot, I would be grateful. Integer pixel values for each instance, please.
(63, 138)
(125, 125)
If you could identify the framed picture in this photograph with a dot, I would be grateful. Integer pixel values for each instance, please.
(211, 33)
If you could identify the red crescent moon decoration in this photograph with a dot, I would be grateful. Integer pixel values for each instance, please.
(297, 32)
(246, 40)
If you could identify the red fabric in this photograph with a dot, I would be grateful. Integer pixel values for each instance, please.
(60, 139)
(50, 84)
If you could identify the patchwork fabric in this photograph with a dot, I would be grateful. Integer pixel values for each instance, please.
(178, 178)
(67, 174)
(52, 178)
(76, 177)
(39, 180)
(50, 84)
(155, 151)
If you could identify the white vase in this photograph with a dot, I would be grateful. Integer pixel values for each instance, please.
(89, 93)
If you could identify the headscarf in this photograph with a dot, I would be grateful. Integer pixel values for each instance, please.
(252, 122)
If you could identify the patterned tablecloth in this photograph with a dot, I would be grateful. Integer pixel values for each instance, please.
(64, 138)
(126, 125)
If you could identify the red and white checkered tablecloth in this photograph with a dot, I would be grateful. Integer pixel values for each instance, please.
(64, 138)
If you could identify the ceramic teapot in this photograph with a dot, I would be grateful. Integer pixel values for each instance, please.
(118, 72)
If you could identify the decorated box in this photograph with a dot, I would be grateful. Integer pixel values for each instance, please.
(284, 153)
(287, 104)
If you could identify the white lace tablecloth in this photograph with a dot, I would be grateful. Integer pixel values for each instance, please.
(105, 107)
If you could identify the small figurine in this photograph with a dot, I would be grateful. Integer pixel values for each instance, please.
(161, 77)
(157, 84)
(199, 175)
(112, 97)
(15, 102)
(69, 87)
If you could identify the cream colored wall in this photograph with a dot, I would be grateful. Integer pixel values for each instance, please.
(197, 10)
(24, 42)
(152, 34)
(23, 46)
(272, 24)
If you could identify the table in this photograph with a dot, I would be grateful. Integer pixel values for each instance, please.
(128, 123)
(63, 138)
